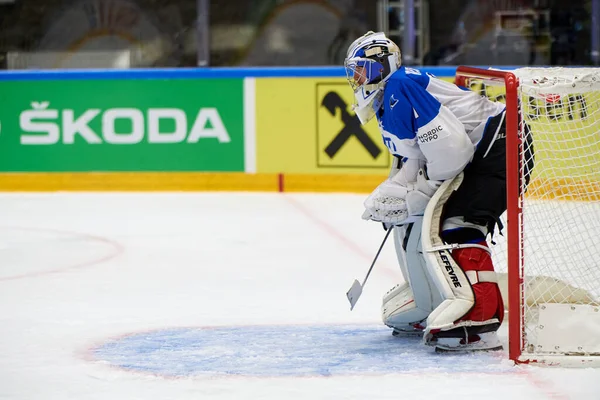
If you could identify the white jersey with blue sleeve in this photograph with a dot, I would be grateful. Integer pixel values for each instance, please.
(434, 121)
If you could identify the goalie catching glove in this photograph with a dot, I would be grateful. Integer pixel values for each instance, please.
(395, 202)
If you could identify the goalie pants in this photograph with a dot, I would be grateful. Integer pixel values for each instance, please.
(481, 200)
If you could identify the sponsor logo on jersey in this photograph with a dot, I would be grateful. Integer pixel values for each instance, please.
(430, 135)
(393, 101)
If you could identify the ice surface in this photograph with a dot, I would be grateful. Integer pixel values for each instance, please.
(220, 296)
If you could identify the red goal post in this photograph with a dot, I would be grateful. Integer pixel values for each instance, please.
(561, 108)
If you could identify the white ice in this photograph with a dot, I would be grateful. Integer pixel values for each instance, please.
(219, 296)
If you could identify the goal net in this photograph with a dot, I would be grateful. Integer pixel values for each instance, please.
(552, 226)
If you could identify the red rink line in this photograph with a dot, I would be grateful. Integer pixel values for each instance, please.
(117, 250)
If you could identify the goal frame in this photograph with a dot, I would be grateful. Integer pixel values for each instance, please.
(515, 238)
(514, 214)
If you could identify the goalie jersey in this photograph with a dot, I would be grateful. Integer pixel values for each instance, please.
(426, 118)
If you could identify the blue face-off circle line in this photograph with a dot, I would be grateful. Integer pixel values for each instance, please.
(283, 351)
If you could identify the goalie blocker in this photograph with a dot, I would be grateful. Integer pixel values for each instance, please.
(452, 295)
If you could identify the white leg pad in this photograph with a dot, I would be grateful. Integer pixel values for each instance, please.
(400, 311)
(411, 302)
(448, 277)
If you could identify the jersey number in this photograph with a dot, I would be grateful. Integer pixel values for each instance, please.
(390, 145)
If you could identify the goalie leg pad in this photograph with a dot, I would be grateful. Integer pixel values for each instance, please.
(487, 309)
(464, 277)
(400, 311)
(406, 306)
(477, 264)
(487, 312)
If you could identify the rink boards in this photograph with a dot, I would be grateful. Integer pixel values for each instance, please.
(260, 129)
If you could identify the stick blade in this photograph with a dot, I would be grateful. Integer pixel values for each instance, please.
(354, 293)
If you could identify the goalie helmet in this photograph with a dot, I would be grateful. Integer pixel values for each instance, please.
(370, 61)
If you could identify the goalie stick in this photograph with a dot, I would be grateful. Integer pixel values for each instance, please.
(356, 290)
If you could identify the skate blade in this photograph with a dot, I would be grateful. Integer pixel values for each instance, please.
(407, 334)
(464, 350)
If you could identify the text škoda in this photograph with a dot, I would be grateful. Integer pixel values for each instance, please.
(41, 126)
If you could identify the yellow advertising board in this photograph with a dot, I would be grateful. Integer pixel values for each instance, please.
(307, 126)
(564, 138)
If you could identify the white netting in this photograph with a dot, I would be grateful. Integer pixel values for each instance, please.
(540, 81)
(561, 207)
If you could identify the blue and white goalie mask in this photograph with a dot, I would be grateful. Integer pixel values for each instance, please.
(370, 61)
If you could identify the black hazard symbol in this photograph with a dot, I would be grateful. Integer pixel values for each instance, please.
(352, 127)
